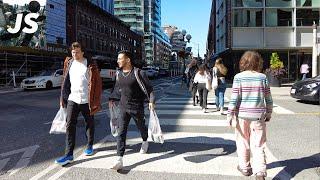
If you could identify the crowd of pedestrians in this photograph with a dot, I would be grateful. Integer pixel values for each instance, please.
(250, 105)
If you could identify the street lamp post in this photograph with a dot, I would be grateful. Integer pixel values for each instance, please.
(182, 53)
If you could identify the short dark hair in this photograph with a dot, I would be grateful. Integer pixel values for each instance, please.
(75, 45)
(127, 53)
(251, 60)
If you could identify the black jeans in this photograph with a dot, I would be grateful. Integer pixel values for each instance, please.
(126, 115)
(203, 94)
(73, 110)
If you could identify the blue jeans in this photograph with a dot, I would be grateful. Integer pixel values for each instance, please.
(219, 92)
(304, 76)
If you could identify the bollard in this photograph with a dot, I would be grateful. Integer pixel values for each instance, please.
(14, 79)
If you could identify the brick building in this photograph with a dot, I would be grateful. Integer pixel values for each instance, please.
(100, 32)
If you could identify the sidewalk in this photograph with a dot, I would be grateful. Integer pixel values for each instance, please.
(10, 89)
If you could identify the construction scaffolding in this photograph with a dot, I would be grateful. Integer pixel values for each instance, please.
(14, 67)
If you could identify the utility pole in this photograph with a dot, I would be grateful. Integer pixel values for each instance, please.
(314, 51)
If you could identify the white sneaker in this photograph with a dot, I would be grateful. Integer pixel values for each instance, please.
(221, 111)
(118, 164)
(144, 147)
(204, 110)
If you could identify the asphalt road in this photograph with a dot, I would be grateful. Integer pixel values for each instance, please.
(27, 149)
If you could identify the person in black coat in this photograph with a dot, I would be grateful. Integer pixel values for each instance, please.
(131, 99)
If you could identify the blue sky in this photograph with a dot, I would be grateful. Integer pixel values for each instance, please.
(191, 15)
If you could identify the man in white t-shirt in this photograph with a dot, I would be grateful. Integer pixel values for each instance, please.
(80, 92)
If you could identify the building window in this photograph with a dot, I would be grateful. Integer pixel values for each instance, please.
(279, 3)
(308, 3)
(305, 17)
(247, 3)
(278, 17)
(51, 6)
(247, 18)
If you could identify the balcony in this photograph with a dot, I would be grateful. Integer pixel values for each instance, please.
(124, 12)
(124, 5)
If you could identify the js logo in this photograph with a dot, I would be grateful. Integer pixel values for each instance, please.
(27, 21)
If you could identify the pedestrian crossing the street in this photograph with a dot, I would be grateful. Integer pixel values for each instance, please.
(195, 143)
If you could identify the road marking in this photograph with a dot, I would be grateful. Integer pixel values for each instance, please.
(50, 168)
(280, 110)
(162, 105)
(82, 156)
(44, 172)
(3, 163)
(217, 159)
(191, 122)
(23, 162)
(183, 101)
(186, 112)
(190, 98)
(308, 113)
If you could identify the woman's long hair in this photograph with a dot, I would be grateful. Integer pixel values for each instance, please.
(219, 65)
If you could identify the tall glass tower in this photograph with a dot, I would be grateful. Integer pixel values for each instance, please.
(106, 5)
(131, 12)
(144, 16)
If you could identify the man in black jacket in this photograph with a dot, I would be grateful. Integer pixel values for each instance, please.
(131, 104)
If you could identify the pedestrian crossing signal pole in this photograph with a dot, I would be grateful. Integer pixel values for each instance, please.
(314, 51)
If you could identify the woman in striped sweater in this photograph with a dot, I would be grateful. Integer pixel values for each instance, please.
(249, 108)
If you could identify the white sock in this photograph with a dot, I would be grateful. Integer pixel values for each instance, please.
(120, 158)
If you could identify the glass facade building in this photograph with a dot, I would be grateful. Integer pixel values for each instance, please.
(283, 26)
(144, 16)
(106, 5)
(131, 12)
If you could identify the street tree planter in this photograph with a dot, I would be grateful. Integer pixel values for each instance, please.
(274, 81)
(276, 70)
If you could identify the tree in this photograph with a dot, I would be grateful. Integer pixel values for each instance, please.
(276, 68)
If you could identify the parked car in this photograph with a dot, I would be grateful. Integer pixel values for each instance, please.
(46, 79)
(151, 72)
(163, 72)
(308, 89)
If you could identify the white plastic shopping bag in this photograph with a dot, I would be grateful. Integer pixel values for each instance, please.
(59, 122)
(214, 81)
(154, 129)
(114, 119)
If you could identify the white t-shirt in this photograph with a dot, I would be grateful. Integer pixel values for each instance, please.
(201, 78)
(304, 68)
(79, 79)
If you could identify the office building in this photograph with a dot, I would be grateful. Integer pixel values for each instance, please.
(282, 26)
(106, 5)
(144, 17)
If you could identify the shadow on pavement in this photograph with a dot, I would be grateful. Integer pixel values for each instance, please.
(172, 149)
(295, 166)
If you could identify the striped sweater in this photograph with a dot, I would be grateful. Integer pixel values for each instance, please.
(251, 97)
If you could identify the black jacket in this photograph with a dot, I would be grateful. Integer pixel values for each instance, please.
(116, 92)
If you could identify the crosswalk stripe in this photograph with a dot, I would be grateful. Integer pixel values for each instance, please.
(182, 101)
(221, 159)
(192, 122)
(189, 98)
(280, 110)
(161, 106)
(186, 112)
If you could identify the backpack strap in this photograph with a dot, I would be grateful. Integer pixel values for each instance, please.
(142, 86)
